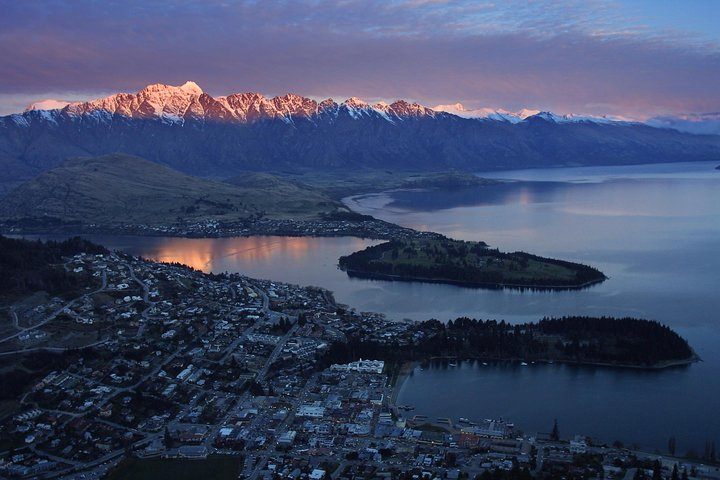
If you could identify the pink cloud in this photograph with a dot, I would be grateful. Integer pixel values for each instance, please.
(432, 52)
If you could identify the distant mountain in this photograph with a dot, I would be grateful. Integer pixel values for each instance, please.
(459, 110)
(191, 131)
(122, 189)
(699, 123)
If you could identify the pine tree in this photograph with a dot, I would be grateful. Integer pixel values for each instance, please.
(657, 470)
(555, 434)
(671, 445)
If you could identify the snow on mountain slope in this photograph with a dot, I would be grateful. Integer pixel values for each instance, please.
(176, 104)
(521, 115)
(697, 123)
(48, 104)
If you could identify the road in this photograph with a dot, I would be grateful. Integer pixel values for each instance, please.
(56, 312)
(252, 468)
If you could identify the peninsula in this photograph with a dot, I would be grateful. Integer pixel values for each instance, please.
(600, 341)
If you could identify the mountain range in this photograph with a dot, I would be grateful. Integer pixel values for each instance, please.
(185, 128)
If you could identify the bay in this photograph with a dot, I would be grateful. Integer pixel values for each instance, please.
(653, 229)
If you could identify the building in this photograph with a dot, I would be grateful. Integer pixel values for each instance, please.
(361, 366)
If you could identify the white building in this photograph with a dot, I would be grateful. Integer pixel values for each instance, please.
(362, 366)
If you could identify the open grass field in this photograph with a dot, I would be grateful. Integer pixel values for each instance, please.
(216, 468)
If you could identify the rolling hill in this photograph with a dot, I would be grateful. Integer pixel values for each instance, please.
(124, 189)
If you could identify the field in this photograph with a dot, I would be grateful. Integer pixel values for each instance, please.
(177, 469)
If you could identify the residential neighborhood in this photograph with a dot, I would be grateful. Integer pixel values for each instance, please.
(161, 361)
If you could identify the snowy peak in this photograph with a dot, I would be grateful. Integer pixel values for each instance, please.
(167, 102)
(177, 104)
(48, 104)
(401, 108)
(697, 123)
(458, 109)
(355, 102)
(191, 88)
(572, 118)
(522, 115)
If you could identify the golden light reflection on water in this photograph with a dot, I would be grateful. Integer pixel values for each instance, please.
(207, 253)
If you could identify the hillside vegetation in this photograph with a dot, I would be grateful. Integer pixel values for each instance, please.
(468, 263)
(123, 189)
(31, 266)
(621, 342)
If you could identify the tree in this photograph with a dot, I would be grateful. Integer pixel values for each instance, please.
(675, 474)
(671, 445)
(555, 433)
(657, 470)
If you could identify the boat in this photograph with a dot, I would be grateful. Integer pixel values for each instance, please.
(524, 364)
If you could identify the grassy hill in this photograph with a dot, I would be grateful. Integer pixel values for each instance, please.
(123, 189)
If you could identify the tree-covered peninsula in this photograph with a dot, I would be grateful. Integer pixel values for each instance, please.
(444, 260)
(621, 342)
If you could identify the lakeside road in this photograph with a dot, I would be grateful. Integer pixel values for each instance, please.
(405, 370)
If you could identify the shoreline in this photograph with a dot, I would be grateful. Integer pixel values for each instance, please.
(366, 228)
(656, 366)
(406, 369)
(459, 283)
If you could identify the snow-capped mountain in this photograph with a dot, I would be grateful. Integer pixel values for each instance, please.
(698, 123)
(48, 104)
(175, 104)
(486, 113)
(522, 115)
(194, 132)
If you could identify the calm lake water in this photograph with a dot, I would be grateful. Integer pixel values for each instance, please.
(653, 229)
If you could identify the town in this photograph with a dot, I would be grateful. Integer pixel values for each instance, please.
(159, 361)
(354, 225)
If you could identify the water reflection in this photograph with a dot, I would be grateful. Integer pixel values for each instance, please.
(214, 255)
(298, 260)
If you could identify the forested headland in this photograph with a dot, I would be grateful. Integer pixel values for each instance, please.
(622, 342)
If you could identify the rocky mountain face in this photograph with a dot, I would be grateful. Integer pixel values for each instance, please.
(189, 130)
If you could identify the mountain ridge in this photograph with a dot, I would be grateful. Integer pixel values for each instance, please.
(186, 129)
(189, 101)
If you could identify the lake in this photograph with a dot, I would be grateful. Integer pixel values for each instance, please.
(654, 230)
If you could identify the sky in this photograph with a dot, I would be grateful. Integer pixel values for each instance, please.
(635, 59)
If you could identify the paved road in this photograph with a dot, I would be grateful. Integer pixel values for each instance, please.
(58, 311)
